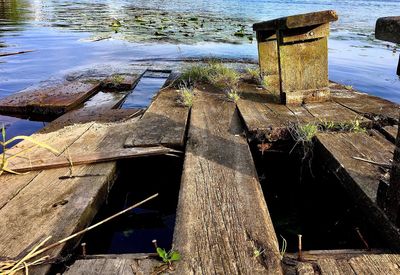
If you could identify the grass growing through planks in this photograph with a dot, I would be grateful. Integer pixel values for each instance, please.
(117, 79)
(353, 126)
(233, 95)
(214, 73)
(5, 159)
(186, 96)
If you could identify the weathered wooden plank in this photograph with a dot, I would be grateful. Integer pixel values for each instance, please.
(335, 151)
(117, 266)
(331, 266)
(89, 158)
(49, 101)
(121, 82)
(36, 209)
(333, 112)
(220, 182)
(304, 269)
(164, 122)
(388, 264)
(390, 132)
(298, 21)
(61, 139)
(375, 108)
(87, 115)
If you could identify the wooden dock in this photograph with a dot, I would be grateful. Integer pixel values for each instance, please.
(222, 216)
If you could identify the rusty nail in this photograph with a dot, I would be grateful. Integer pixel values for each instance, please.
(300, 248)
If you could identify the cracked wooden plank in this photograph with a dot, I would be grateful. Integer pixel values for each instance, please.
(222, 217)
(164, 122)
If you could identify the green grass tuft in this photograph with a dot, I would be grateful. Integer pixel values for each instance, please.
(186, 96)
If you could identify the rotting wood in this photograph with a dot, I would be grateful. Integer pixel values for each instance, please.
(49, 101)
(164, 123)
(89, 158)
(121, 82)
(335, 152)
(220, 181)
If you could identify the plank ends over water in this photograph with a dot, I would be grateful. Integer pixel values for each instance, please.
(164, 123)
(222, 217)
(54, 100)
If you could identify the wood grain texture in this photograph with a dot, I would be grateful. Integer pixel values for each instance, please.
(49, 101)
(375, 108)
(333, 112)
(116, 266)
(222, 216)
(36, 210)
(388, 264)
(164, 122)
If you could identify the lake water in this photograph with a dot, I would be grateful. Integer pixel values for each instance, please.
(72, 36)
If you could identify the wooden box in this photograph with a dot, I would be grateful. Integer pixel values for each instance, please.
(293, 56)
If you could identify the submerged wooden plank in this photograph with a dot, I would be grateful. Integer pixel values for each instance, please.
(222, 217)
(164, 122)
(336, 151)
(49, 101)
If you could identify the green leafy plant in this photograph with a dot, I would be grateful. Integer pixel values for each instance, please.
(168, 257)
(5, 159)
(254, 73)
(348, 87)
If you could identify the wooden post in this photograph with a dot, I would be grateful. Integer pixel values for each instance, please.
(392, 205)
(293, 56)
(388, 29)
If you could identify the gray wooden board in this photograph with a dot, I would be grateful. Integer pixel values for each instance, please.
(222, 216)
(164, 122)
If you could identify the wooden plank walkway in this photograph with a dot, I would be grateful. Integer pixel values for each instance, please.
(164, 122)
(260, 114)
(49, 101)
(336, 152)
(375, 108)
(222, 217)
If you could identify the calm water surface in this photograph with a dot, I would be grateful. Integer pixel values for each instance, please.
(72, 36)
